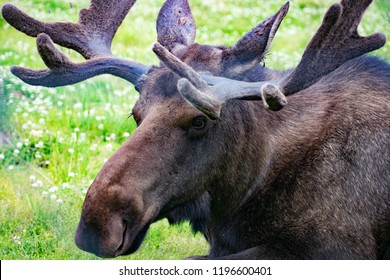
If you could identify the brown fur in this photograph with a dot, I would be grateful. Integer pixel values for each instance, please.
(310, 181)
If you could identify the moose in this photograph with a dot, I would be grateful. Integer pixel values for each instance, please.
(266, 164)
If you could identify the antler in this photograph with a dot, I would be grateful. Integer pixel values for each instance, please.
(91, 36)
(175, 24)
(335, 42)
(209, 93)
(252, 47)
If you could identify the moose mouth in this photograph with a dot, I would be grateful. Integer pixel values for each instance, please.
(125, 235)
(128, 245)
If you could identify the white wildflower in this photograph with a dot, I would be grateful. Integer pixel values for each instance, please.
(71, 174)
(16, 239)
(53, 196)
(59, 200)
(19, 145)
(107, 106)
(36, 133)
(78, 105)
(32, 179)
(39, 145)
(53, 189)
(101, 126)
(82, 137)
(126, 134)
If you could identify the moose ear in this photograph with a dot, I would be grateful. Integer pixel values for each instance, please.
(251, 48)
(175, 24)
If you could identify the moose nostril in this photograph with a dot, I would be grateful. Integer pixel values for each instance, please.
(122, 242)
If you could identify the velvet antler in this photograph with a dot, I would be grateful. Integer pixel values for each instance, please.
(252, 47)
(175, 24)
(91, 36)
(335, 42)
(206, 92)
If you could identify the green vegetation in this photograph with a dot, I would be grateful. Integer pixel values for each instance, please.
(384, 7)
(61, 137)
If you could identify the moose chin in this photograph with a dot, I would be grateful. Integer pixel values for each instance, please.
(266, 164)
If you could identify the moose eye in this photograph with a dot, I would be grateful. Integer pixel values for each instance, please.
(137, 120)
(136, 116)
(199, 122)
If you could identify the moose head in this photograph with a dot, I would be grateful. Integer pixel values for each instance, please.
(199, 142)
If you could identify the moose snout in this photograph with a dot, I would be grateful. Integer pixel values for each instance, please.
(85, 238)
(102, 244)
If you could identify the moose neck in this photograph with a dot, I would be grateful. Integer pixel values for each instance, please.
(245, 155)
(258, 147)
(251, 150)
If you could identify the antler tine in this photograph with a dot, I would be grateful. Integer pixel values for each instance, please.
(191, 82)
(253, 45)
(91, 37)
(61, 71)
(335, 42)
(178, 67)
(175, 24)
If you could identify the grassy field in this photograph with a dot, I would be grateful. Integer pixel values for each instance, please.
(61, 137)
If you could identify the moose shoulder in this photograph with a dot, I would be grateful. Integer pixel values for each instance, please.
(310, 181)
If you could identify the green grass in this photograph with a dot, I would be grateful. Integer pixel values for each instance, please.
(384, 7)
(61, 137)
